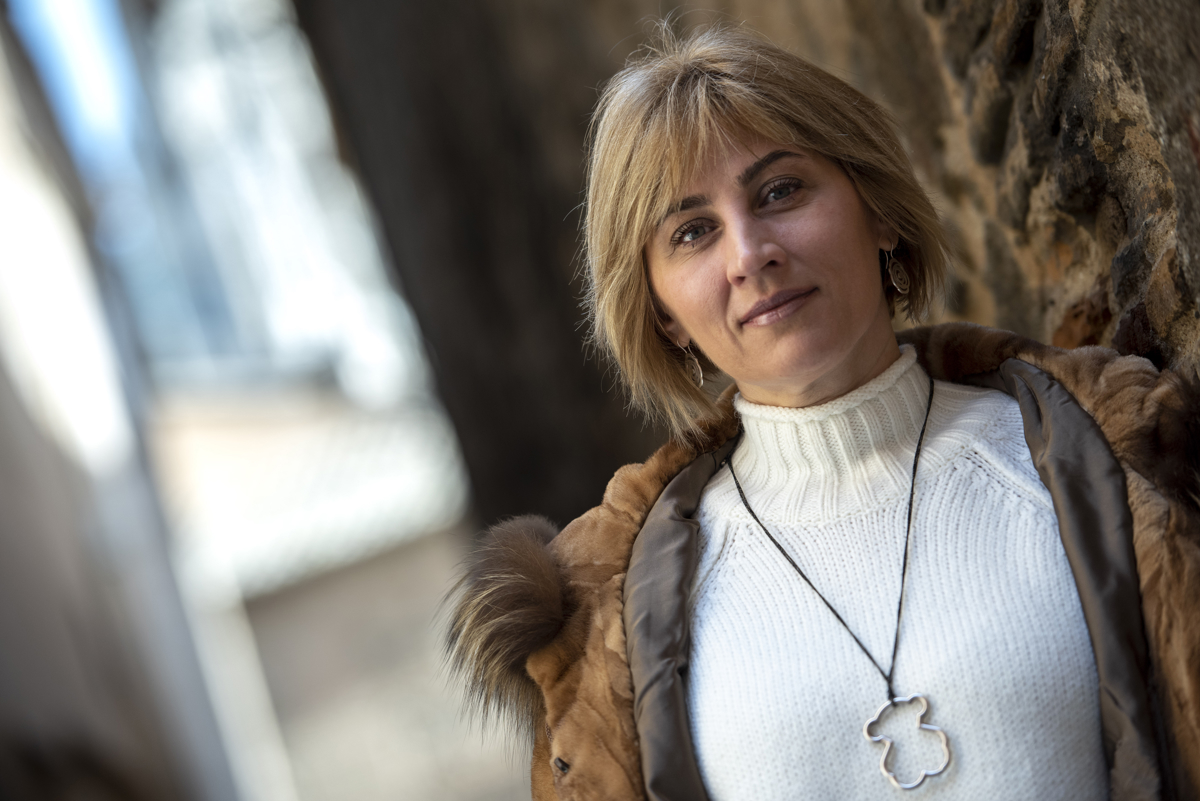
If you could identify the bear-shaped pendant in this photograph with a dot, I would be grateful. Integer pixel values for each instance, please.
(887, 741)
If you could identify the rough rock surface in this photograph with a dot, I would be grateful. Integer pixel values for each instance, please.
(1060, 138)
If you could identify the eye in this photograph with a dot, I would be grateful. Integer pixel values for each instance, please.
(780, 189)
(689, 232)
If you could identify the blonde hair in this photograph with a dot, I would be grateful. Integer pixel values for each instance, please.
(655, 123)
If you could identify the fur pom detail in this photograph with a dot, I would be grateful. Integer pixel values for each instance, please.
(511, 602)
(1176, 449)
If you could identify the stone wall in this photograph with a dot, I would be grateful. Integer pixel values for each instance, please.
(1063, 145)
(1060, 139)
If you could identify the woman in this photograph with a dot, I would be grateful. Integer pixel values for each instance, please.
(1005, 553)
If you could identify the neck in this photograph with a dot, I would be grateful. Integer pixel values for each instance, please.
(841, 454)
(862, 364)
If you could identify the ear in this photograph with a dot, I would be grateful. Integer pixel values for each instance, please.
(888, 239)
(670, 325)
(675, 331)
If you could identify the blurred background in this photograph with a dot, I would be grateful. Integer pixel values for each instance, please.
(289, 311)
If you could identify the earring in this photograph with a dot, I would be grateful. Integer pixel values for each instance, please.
(694, 366)
(899, 275)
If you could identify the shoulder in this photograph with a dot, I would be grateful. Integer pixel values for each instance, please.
(1149, 416)
(527, 580)
(971, 408)
(982, 430)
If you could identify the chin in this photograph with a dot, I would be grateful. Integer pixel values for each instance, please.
(814, 354)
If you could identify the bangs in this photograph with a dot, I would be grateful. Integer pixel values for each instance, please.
(699, 116)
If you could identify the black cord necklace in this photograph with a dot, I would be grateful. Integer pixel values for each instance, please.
(892, 698)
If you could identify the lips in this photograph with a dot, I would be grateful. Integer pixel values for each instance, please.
(777, 306)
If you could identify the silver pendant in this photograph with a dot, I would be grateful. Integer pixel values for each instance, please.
(887, 741)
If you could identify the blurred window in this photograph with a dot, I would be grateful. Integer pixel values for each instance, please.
(295, 425)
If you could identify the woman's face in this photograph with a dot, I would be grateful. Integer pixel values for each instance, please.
(769, 263)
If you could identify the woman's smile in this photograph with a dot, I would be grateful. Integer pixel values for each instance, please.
(777, 307)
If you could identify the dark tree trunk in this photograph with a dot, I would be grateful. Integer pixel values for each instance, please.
(483, 237)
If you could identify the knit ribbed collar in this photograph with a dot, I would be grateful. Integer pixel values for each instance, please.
(847, 454)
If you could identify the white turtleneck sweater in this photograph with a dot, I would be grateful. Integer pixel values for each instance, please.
(992, 630)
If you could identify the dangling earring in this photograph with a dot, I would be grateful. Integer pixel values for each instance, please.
(899, 275)
(694, 366)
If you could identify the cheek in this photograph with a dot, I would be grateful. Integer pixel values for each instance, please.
(690, 295)
(705, 312)
(854, 249)
(663, 292)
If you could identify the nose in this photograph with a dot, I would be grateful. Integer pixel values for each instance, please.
(753, 247)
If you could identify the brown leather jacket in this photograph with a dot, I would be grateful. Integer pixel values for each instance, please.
(582, 636)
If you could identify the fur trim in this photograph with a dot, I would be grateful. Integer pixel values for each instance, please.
(528, 609)
(953, 351)
(511, 602)
(1175, 446)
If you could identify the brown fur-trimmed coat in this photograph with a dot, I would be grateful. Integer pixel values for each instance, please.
(538, 633)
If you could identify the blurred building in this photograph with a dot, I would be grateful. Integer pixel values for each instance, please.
(210, 346)
(101, 693)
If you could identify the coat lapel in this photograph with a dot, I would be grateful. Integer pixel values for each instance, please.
(661, 570)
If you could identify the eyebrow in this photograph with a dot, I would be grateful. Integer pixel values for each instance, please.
(749, 174)
(687, 204)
